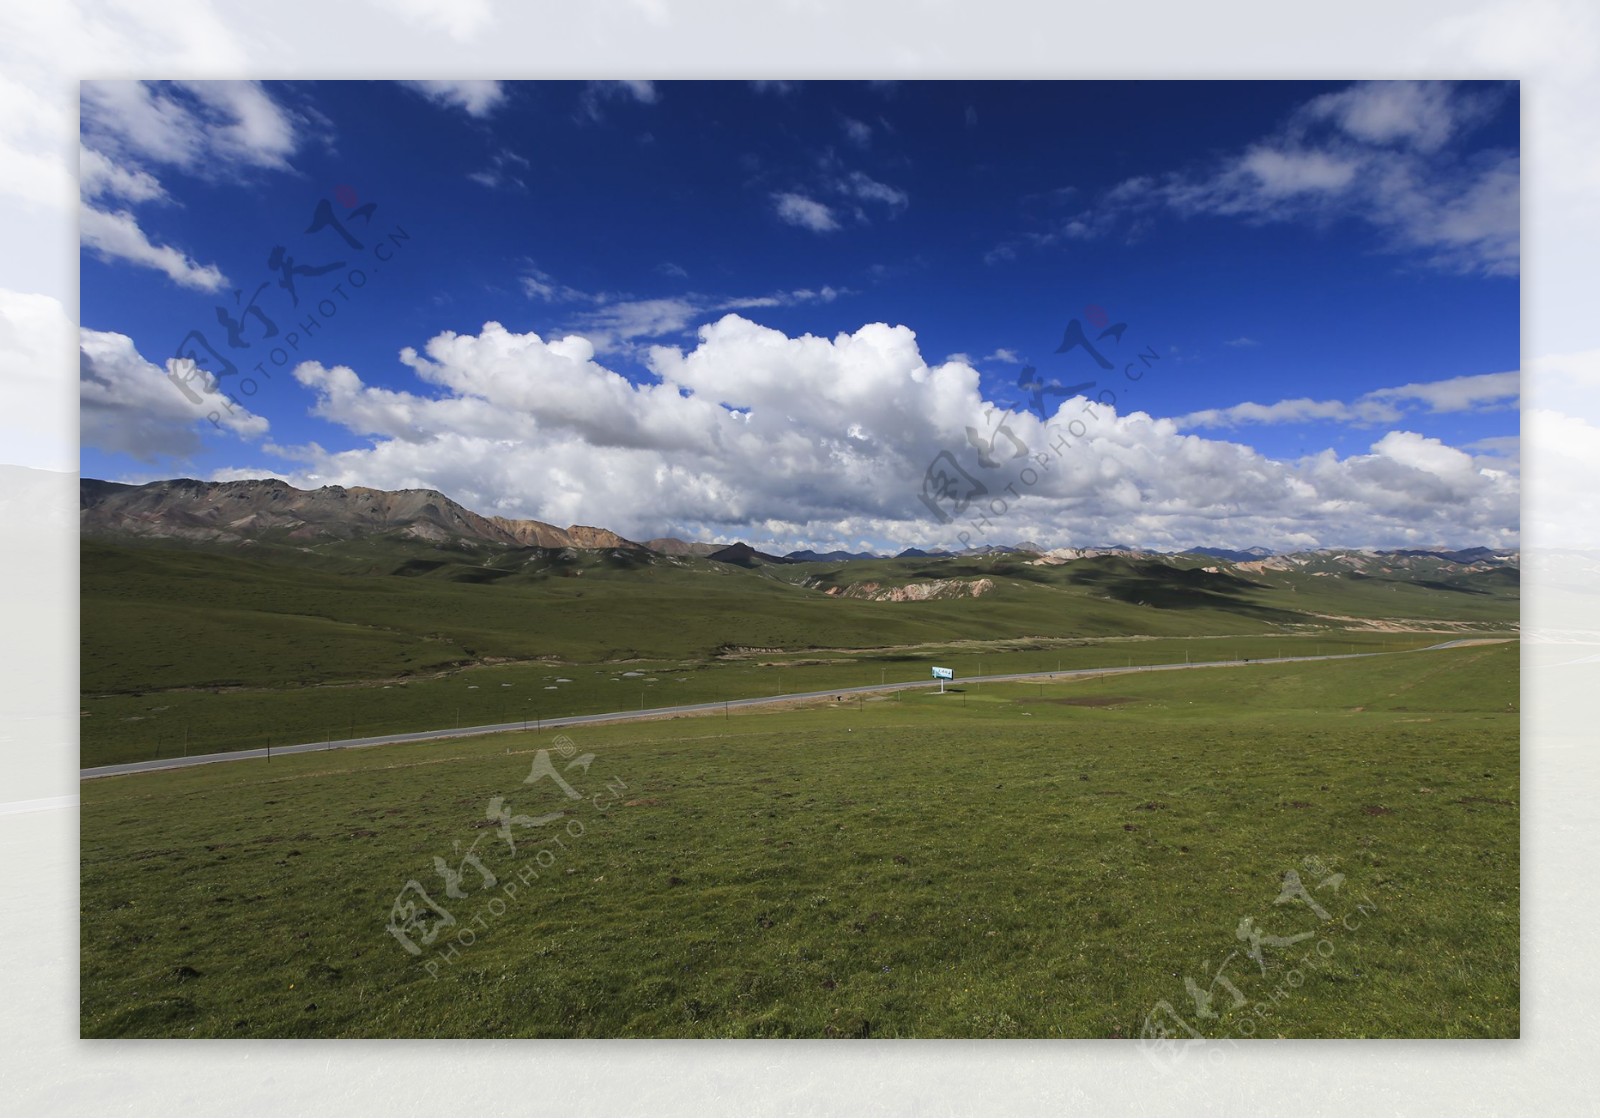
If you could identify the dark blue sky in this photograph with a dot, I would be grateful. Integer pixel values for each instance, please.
(1269, 240)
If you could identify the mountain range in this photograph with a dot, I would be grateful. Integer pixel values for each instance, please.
(272, 511)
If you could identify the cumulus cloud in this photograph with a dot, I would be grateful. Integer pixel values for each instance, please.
(807, 213)
(129, 405)
(794, 441)
(1477, 392)
(1383, 153)
(476, 97)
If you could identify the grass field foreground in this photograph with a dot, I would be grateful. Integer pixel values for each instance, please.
(1080, 859)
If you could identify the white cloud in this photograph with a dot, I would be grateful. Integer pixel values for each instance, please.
(47, 49)
(1242, 342)
(99, 176)
(1278, 173)
(462, 20)
(1002, 354)
(1422, 114)
(1298, 410)
(807, 213)
(1459, 394)
(615, 321)
(595, 94)
(130, 406)
(213, 129)
(36, 339)
(857, 132)
(780, 440)
(474, 96)
(539, 284)
(1477, 392)
(1380, 153)
(863, 187)
(217, 129)
(117, 236)
(1563, 509)
(611, 326)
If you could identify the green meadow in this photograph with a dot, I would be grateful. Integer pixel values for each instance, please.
(1087, 858)
(189, 651)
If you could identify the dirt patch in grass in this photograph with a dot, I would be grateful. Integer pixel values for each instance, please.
(1090, 700)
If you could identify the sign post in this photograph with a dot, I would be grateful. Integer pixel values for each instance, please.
(941, 675)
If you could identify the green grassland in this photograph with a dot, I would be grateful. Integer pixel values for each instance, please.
(188, 650)
(1042, 859)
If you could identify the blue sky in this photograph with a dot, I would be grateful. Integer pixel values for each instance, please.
(763, 310)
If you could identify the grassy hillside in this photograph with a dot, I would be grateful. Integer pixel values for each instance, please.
(1016, 860)
(187, 649)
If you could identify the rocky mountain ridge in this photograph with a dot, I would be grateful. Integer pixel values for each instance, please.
(269, 509)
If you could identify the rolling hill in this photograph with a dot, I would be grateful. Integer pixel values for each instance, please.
(253, 609)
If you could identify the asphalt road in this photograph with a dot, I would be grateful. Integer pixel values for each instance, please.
(694, 708)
